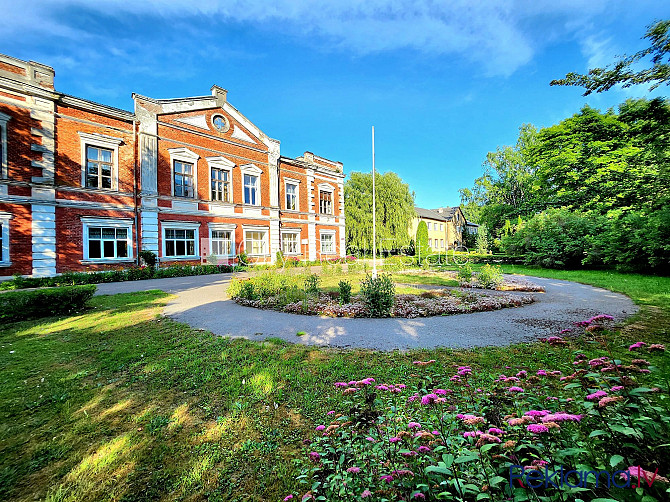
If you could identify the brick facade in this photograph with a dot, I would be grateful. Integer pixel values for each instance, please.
(84, 186)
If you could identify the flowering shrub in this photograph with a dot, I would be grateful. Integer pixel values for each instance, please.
(490, 276)
(378, 294)
(440, 302)
(454, 433)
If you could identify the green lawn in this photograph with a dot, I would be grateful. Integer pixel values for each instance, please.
(118, 403)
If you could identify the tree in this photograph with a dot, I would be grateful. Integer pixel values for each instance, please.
(506, 189)
(422, 249)
(622, 72)
(394, 208)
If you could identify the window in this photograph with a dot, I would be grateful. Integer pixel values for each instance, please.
(220, 123)
(442, 243)
(220, 184)
(221, 242)
(3, 144)
(430, 242)
(255, 242)
(328, 243)
(292, 196)
(100, 160)
(428, 224)
(325, 202)
(98, 167)
(290, 243)
(251, 190)
(4, 239)
(107, 239)
(441, 226)
(183, 179)
(179, 242)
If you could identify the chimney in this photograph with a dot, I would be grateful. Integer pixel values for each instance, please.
(220, 94)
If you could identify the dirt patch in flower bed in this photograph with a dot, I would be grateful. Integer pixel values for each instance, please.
(434, 303)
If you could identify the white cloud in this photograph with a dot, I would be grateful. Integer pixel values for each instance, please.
(499, 36)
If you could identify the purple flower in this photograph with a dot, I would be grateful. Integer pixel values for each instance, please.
(394, 439)
(354, 470)
(372, 440)
(536, 413)
(414, 425)
(423, 449)
(617, 388)
(522, 374)
(288, 497)
(637, 345)
(561, 417)
(419, 495)
(332, 412)
(341, 384)
(596, 395)
(429, 399)
(541, 373)
(366, 493)
(320, 427)
(495, 430)
(515, 389)
(314, 456)
(388, 478)
(537, 428)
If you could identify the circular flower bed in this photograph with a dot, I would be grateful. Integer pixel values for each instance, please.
(433, 303)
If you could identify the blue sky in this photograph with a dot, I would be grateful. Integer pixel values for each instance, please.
(442, 82)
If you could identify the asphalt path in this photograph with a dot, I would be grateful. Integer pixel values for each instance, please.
(201, 302)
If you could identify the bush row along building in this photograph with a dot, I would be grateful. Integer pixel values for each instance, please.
(84, 186)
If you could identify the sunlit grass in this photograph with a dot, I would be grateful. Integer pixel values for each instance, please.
(119, 403)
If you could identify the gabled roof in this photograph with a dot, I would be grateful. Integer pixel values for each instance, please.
(447, 212)
(427, 213)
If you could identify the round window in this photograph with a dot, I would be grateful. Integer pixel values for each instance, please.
(220, 123)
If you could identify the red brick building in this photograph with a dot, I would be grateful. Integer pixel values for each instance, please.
(84, 186)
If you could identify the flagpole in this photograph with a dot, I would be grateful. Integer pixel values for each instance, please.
(374, 211)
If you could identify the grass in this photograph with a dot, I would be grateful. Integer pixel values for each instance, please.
(119, 403)
(410, 281)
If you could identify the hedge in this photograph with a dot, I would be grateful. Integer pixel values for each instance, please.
(34, 303)
(129, 274)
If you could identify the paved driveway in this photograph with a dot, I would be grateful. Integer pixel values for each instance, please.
(202, 303)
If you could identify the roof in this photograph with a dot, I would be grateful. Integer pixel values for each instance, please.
(447, 212)
(471, 224)
(427, 213)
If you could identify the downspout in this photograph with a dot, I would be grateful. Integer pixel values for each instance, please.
(137, 229)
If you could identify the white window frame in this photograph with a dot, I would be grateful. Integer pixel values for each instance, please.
(297, 233)
(222, 227)
(325, 187)
(4, 166)
(430, 242)
(296, 183)
(225, 165)
(180, 225)
(252, 170)
(5, 218)
(265, 230)
(428, 224)
(184, 155)
(100, 141)
(332, 234)
(91, 221)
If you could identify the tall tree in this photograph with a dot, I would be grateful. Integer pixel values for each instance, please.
(395, 211)
(623, 72)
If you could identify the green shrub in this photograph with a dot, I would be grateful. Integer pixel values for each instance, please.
(465, 273)
(378, 294)
(345, 291)
(490, 276)
(149, 258)
(32, 304)
(311, 285)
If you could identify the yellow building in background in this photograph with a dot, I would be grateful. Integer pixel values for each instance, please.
(445, 227)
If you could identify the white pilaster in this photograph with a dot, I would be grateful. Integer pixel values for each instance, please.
(44, 240)
(311, 237)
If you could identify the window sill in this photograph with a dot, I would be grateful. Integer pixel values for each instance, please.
(106, 261)
(5, 263)
(178, 258)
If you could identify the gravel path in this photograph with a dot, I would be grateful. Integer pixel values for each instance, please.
(201, 302)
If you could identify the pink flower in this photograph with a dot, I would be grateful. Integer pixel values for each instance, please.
(394, 439)
(423, 449)
(436, 433)
(388, 478)
(332, 412)
(419, 495)
(596, 395)
(472, 434)
(354, 470)
(617, 388)
(341, 384)
(537, 428)
(414, 425)
(409, 454)
(541, 373)
(515, 389)
(522, 374)
(561, 417)
(495, 430)
(320, 427)
(372, 440)
(537, 413)
(637, 345)
(366, 493)
(638, 472)
(429, 399)
(314, 456)
(440, 392)
(288, 497)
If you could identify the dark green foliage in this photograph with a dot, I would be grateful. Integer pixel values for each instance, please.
(129, 274)
(33, 304)
(149, 258)
(422, 248)
(622, 72)
(345, 291)
(395, 211)
(312, 282)
(378, 294)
